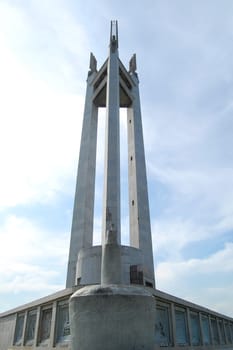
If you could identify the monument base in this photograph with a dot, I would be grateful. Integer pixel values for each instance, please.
(105, 317)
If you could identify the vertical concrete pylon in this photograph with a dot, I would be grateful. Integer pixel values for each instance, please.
(140, 227)
(111, 200)
(82, 223)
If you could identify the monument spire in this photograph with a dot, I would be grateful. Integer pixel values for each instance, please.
(111, 198)
(114, 35)
(111, 238)
(112, 87)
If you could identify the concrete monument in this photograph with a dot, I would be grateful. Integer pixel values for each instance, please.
(110, 301)
(100, 314)
(111, 87)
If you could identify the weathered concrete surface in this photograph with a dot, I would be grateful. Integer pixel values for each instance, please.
(89, 264)
(164, 300)
(83, 212)
(140, 227)
(111, 260)
(7, 325)
(112, 317)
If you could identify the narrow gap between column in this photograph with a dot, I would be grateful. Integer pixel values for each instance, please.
(124, 177)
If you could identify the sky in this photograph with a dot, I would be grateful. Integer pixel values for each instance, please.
(184, 58)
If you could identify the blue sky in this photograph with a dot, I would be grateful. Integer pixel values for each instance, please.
(184, 56)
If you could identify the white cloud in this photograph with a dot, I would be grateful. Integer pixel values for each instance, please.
(30, 258)
(213, 184)
(40, 133)
(171, 236)
(195, 279)
(48, 39)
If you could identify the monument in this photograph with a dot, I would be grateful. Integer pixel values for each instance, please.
(110, 300)
(112, 87)
(114, 266)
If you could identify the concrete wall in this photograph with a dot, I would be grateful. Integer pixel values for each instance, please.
(183, 325)
(41, 324)
(89, 264)
(7, 326)
(178, 324)
(112, 317)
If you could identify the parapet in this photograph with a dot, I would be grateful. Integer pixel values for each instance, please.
(179, 324)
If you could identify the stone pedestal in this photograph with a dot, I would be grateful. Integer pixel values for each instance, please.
(112, 317)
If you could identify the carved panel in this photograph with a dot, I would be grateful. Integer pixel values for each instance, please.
(222, 333)
(181, 326)
(62, 322)
(19, 329)
(162, 326)
(195, 328)
(205, 329)
(215, 331)
(231, 328)
(31, 325)
(228, 332)
(45, 324)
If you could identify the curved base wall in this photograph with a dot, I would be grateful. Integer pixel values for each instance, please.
(112, 317)
(89, 264)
